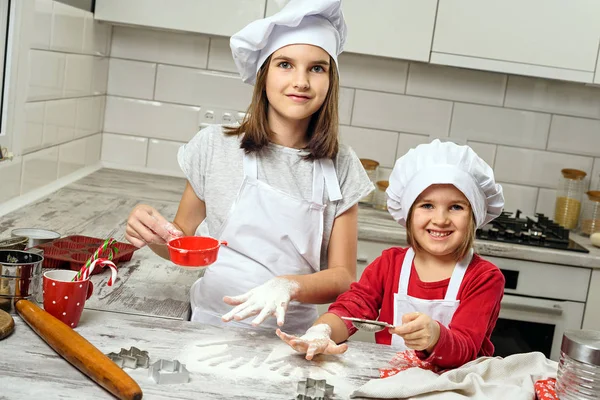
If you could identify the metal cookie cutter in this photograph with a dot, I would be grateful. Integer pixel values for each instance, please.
(167, 371)
(314, 389)
(132, 358)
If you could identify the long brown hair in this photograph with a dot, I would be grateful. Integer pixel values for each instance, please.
(322, 132)
(460, 252)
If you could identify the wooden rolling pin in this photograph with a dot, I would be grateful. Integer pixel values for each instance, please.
(79, 352)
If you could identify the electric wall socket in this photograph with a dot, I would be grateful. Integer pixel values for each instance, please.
(212, 115)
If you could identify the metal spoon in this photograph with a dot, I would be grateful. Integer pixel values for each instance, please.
(368, 325)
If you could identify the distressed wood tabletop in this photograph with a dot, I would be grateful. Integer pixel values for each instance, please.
(224, 363)
(98, 206)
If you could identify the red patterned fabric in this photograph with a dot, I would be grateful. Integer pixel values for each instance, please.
(545, 389)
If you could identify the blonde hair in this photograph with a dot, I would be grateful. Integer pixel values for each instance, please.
(322, 133)
(459, 253)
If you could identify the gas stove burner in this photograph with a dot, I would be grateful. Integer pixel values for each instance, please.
(542, 232)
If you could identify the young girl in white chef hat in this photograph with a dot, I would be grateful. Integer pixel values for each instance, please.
(442, 299)
(278, 188)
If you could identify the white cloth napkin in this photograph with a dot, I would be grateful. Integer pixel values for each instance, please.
(511, 378)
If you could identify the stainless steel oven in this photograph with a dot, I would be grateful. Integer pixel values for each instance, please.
(541, 301)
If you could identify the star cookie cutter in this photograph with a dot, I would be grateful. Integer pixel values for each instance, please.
(167, 372)
(314, 389)
(132, 358)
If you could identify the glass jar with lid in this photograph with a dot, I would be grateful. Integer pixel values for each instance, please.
(371, 167)
(590, 216)
(380, 196)
(569, 195)
(579, 366)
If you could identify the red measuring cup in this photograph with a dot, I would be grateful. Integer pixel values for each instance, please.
(194, 251)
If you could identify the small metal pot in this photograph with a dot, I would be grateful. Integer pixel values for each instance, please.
(20, 277)
(14, 243)
(36, 235)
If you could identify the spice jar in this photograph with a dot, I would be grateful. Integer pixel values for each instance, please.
(371, 167)
(568, 198)
(590, 216)
(380, 196)
(579, 366)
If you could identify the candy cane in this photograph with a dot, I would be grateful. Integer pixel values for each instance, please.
(103, 262)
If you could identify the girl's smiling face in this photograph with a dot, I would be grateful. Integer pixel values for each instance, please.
(441, 219)
(297, 81)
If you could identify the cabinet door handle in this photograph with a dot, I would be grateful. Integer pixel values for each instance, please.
(361, 259)
(555, 309)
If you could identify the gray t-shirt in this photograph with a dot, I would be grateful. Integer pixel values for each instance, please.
(213, 165)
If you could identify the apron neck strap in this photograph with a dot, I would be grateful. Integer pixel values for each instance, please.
(455, 281)
(331, 180)
(405, 271)
(458, 275)
(250, 165)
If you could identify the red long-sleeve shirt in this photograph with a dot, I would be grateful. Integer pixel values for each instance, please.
(469, 332)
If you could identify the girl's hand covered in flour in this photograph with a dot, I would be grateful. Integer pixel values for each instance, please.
(271, 298)
(315, 341)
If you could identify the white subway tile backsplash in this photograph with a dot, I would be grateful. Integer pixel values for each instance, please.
(46, 75)
(39, 169)
(131, 78)
(484, 150)
(11, 179)
(401, 113)
(78, 75)
(522, 198)
(93, 148)
(370, 143)
(162, 156)
(42, 24)
(595, 176)
(33, 136)
(96, 37)
(151, 119)
(535, 167)
(159, 46)
(100, 76)
(59, 121)
(409, 141)
(373, 73)
(458, 84)
(546, 202)
(201, 88)
(71, 157)
(575, 135)
(500, 125)
(220, 58)
(125, 150)
(67, 28)
(553, 97)
(345, 105)
(90, 112)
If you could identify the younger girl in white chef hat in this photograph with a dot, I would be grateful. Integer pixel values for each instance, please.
(278, 188)
(442, 299)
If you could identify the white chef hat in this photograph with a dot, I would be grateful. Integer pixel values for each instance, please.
(444, 163)
(316, 22)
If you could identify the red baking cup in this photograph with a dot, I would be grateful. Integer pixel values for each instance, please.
(194, 251)
(68, 244)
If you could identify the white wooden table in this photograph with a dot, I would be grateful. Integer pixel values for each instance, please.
(223, 363)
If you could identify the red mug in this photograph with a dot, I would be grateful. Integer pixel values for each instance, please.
(63, 298)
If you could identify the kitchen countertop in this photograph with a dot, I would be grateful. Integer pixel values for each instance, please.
(379, 226)
(223, 363)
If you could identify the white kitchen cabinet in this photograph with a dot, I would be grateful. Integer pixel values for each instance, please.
(591, 318)
(546, 38)
(388, 28)
(222, 17)
(597, 78)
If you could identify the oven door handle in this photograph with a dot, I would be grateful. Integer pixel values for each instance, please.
(529, 306)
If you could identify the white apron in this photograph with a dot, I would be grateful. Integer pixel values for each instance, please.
(269, 234)
(439, 310)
